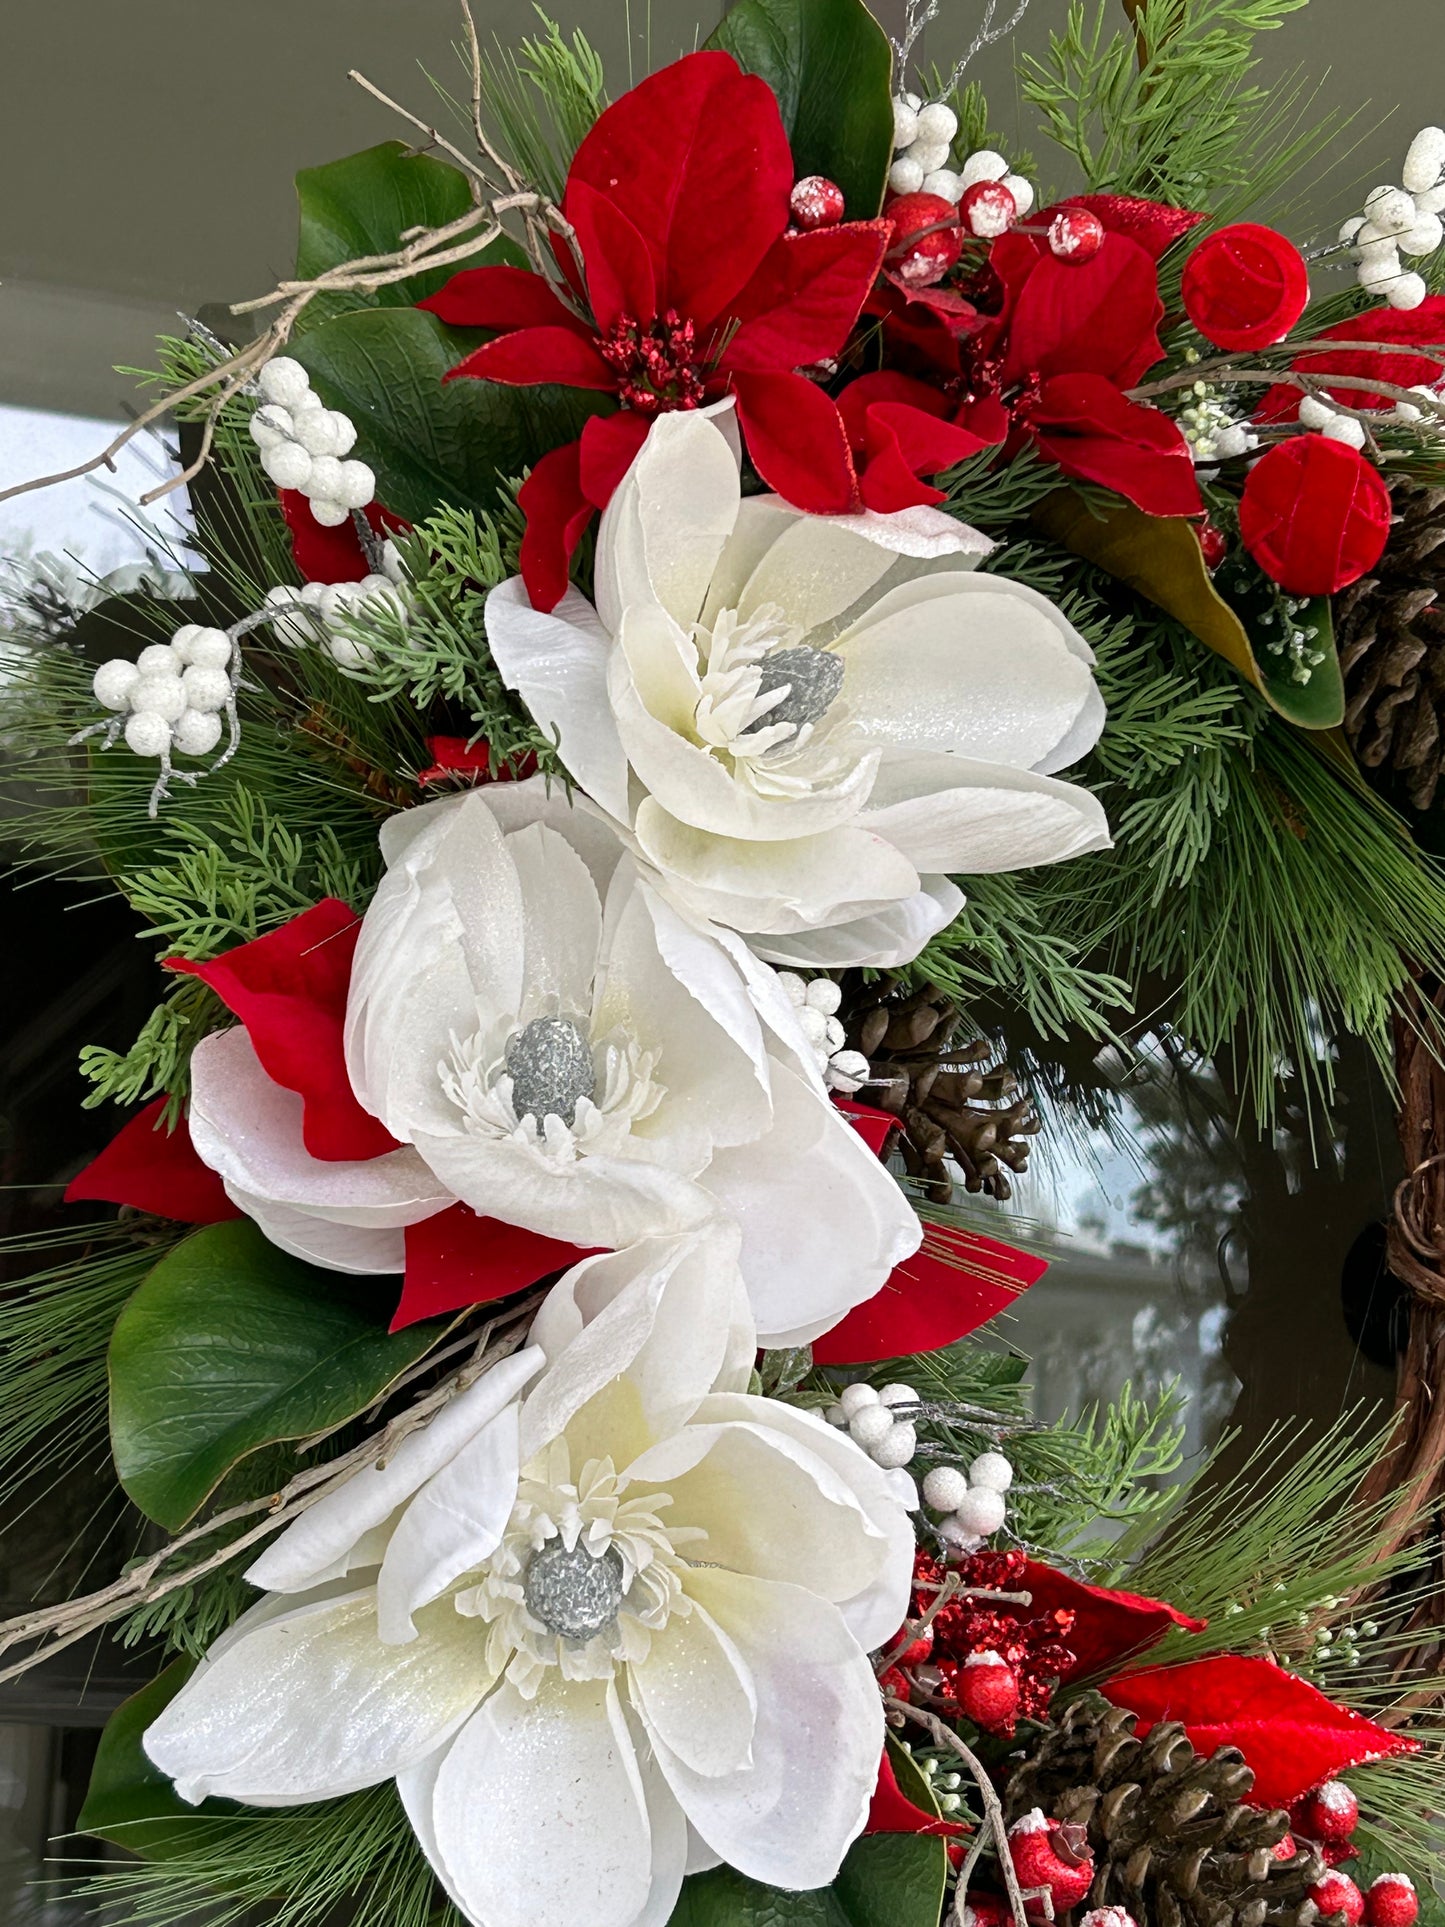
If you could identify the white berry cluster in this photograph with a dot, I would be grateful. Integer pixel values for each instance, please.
(326, 613)
(1402, 220)
(817, 1004)
(923, 135)
(172, 695)
(1296, 644)
(1213, 433)
(973, 1505)
(302, 443)
(1317, 414)
(867, 1417)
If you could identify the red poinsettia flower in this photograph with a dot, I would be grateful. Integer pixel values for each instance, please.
(1411, 328)
(692, 289)
(156, 1169)
(901, 430)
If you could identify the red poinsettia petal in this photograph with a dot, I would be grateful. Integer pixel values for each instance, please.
(289, 989)
(697, 159)
(156, 1170)
(902, 443)
(1153, 225)
(557, 513)
(455, 756)
(875, 1127)
(456, 1259)
(534, 355)
(620, 277)
(610, 445)
(1098, 317)
(1315, 515)
(501, 299)
(1422, 327)
(332, 555)
(800, 305)
(892, 1811)
(887, 385)
(797, 441)
(1109, 1627)
(954, 1284)
(1291, 1736)
(1093, 432)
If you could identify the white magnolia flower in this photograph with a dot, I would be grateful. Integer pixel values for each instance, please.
(807, 723)
(554, 1045)
(618, 1630)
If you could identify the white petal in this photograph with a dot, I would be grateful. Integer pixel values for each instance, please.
(694, 1690)
(417, 1787)
(773, 1005)
(452, 1524)
(967, 664)
(328, 1530)
(953, 814)
(539, 1811)
(923, 534)
(666, 524)
(815, 571)
(592, 833)
(557, 664)
(762, 521)
(885, 940)
(321, 1240)
(313, 1704)
(823, 1222)
(562, 921)
(875, 1613)
(790, 1817)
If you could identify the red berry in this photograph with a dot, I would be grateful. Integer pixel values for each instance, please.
(1336, 1893)
(1214, 545)
(1075, 235)
(987, 1690)
(1285, 1848)
(919, 262)
(1392, 1902)
(987, 209)
(1053, 1857)
(920, 1650)
(1330, 1812)
(984, 1910)
(1108, 1917)
(816, 202)
(894, 1684)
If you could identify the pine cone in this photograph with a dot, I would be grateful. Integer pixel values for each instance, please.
(950, 1099)
(1173, 1840)
(1390, 629)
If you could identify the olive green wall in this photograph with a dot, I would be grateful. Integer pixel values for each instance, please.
(147, 146)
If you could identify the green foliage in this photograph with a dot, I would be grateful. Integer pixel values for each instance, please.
(887, 1880)
(830, 65)
(158, 1063)
(230, 1345)
(542, 98)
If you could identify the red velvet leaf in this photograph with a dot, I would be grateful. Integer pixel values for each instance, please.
(610, 445)
(534, 355)
(557, 515)
(1420, 328)
(1091, 431)
(1109, 1627)
(875, 1127)
(289, 989)
(156, 1170)
(1098, 317)
(797, 442)
(1291, 1736)
(332, 555)
(456, 1259)
(801, 303)
(956, 1282)
(500, 298)
(892, 1811)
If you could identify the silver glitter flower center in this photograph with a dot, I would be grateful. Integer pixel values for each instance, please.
(813, 678)
(550, 1065)
(574, 1593)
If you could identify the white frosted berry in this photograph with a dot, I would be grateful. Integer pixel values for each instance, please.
(947, 185)
(944, 1487)
(848, 1071)
(316, 432)
(1426, 235)
(813, 1024)
(1350, 231)
(1377, 274)
(1022, 191)
(1390, 209)
(853, 1398)
(292, 627)
(114, 681)
(992, 1471)
(377, 595)
(160, 696)
(1314, 413)
(936, 122)
(147, 734)
(905, 176)
(1234, 439)
(930, 155)
(196, 732)
(954, 1533)
(1432, 201)
(824, 994)
(288, 464)
(870, 1425)
(328, 513)
(156, 659)
(1406, 291)
(905, 123)
(1425, 162)
(981, 1511)
(898, 1395)
(897, 1448)
(356, 485)
(834, 1035)
(1344, 428)
(345, 432)
(324, 480)
(271, 424)
(182, 639)
(985, 165)
(206, 689)
(284, 380)
(349, 653)
(793, 987)
(209, 649)
(311, 593)
(835, 1415)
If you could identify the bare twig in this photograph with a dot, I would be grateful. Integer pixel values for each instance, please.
(944, 1735)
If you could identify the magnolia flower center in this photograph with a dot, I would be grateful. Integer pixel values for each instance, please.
(768, 703)
(809, 680)
(656, 362)
(550, 1064)
(573, 1591)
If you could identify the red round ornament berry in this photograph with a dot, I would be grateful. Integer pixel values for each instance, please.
(1053, 1857)
(1314, 515)
(920, 1650)
(1330, 1812)
(1392, 1902)
(983, 1910)
(987, 209)
(1213, 543)
(1075, 235)
(987, 1690)
(1245, 286)
(926, 239)
(1336, 1893)
(816, 202)
(1108, 1917)
(894, 1684)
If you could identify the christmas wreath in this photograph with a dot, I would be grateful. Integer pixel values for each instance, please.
(720, 600)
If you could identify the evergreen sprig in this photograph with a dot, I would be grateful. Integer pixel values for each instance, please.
(542, 98)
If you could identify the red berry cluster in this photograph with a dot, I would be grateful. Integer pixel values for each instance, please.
(657, 363)
(1328, 1815)
(1029, 1647)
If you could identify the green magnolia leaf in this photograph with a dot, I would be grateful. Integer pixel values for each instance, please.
(887, 1880)
(129, 1801)
(433, 442)
(362, 206)
(830, 65)
(1259, 605)
(231, 1344)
